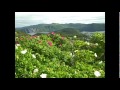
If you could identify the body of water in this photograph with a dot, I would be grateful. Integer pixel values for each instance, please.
(90, 33)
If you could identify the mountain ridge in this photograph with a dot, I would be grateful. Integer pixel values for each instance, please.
(57, 27)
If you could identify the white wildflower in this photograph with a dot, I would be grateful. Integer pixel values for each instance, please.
(35, 70)
(87, 43)
(33, 56)
(17, 44)
(100, 62)
(76, 51)
(96, 44)
(95, 55)
(16, 47)
(75, 36)
(91, 51)
(43, 75)
(70, 54)
(97, 73)
(24, 51)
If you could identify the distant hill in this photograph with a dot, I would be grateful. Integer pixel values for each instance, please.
(70, 31)
(94, 27)
(20, 33)
(56, 27)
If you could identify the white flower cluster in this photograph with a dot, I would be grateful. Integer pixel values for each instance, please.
(95, 55)
(87, 43)
(96, 44)
(16, 46)
(43, 75)
(100, 62)
(97, 73)
(24, 51)
(33, 56)
(76, 51)
(72, 55)
(75, 36)
(35, 70)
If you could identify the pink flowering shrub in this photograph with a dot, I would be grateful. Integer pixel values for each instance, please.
(54, 55)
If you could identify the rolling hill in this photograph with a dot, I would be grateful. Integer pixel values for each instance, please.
(61, 27)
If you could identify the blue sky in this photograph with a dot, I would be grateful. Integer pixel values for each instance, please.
(32, 18)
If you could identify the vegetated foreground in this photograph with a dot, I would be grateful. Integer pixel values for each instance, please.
(56, 56)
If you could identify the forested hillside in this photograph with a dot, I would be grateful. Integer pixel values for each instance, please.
(55, 27)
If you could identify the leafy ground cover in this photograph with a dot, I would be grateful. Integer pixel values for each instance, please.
(56, 56)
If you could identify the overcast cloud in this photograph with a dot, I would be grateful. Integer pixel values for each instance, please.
(32, 18)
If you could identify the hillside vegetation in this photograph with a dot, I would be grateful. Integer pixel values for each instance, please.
(55, 27)
(55, 55)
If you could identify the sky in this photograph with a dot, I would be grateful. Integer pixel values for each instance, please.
(33, 18)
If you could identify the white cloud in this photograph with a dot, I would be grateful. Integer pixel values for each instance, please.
(32, 18)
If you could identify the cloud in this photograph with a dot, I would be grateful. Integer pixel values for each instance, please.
(32, 18)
